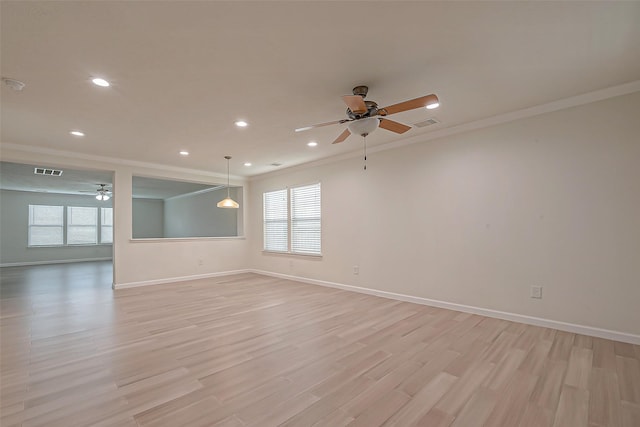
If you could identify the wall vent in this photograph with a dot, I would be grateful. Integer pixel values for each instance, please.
(427, 122)
(47, 172)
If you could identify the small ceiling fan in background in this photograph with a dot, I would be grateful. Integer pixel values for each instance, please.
(365, 116)
(103, 193)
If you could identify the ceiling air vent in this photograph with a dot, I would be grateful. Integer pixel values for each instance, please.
(427, 122)
(47, 172)
(276, 164)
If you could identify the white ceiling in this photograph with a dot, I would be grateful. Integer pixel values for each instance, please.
(183, 72)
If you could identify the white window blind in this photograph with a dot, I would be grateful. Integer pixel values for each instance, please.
(106, 225)
(305, 219)
(82, 225)
(276, 222)
(292, 220)
(46, 225)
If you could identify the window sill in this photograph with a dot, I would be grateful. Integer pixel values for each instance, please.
(293, 254)
(182, 239)
(88, 245)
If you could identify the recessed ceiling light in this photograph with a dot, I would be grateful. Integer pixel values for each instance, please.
(100, 82)
(312, 144)
(184, 153)
(432, 106)
(247, 164)
(242, 124)
(76, 133)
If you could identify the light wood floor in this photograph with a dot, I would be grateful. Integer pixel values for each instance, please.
(250, 350)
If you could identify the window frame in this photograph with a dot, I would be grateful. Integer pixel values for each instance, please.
(289, 239)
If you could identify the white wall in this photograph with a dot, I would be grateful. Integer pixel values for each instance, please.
(477, 218)
(148, 218)
(14, 229)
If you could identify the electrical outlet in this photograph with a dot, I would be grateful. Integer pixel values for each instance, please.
(200, 262)
(536, 292)
(356, 270)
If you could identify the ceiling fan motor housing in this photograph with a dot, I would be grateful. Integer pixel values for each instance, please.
(372, 110)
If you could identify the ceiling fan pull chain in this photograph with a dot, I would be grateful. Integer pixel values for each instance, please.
(365, 152)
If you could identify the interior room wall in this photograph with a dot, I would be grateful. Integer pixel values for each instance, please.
(196, 215)
(14, 229)
(139, 262)
(478, 218)
(148, 218)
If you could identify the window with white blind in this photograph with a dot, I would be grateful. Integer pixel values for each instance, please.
(305, 219)
(49, 226)
(46, 225)
(276, 221)
(82, 225)
(292, 220)
(106, 225)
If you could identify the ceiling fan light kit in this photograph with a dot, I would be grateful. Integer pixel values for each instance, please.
(363, 127)
(103, 193)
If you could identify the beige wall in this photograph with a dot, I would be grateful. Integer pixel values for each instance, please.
(478, 218)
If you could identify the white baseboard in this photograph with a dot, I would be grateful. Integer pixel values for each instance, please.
(520, 318)
(177, 279)
(61, 261)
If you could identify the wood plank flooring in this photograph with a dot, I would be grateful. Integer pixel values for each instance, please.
(250, 350)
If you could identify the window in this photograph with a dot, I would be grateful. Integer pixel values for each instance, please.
(106, 225)
(82, 225)
(46, 225)
(49, 226)
(305, 219)
(292, 220)
(276, 222)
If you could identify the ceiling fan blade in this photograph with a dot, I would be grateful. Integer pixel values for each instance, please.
(355, 103)
(393, 126)
(344, 135)
(408, 105)
(319, 125)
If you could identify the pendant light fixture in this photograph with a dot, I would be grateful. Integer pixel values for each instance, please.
(228, 202)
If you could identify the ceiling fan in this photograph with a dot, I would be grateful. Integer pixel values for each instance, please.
(103, 193)
(365, 116)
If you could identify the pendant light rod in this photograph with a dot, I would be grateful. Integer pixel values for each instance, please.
(228, 202)
(228, 158)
